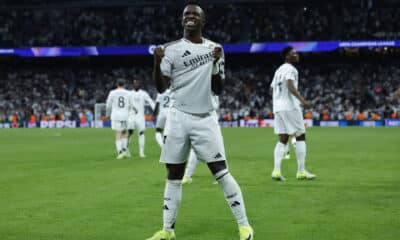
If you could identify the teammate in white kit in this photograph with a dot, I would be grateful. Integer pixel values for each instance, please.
(396, 95)
(193, 160)
(119, 103)
(194, 67)
(288, 116)
(136, 119)
(163, 102)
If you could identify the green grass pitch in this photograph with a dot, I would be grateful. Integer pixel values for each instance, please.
(66, 184)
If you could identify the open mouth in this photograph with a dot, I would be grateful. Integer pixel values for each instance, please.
(190, 23)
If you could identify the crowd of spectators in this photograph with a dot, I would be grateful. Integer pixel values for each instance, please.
(226, 23)
(348, 91)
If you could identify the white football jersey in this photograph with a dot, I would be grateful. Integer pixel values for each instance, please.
(283, 99)
(120, 102)
(164, 100)
(140, 98)
(189, 65)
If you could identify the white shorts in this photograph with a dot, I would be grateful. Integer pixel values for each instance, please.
(118, 125)
(137, 123)
(184, 130)
(161, 119)
(289, 122)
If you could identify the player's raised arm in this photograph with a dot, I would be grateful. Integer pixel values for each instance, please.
(160, 80)
(218, 74)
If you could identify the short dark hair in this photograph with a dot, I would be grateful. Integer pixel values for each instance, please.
(120, 82)
(195, 3)
(192, 3)
(286, 51)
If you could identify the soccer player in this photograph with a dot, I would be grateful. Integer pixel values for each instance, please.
(193, 161)
(136, 118)
(288, 116)
(163, 102)
(193, 66)
(396, 95)
(119, 102)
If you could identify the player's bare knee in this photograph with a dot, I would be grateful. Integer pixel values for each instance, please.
(141, 132)
(216, 167)
(302, 137)
(283, 138)
(175, 171)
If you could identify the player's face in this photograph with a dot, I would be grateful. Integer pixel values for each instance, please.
(294, 56)
(136, 84)
(192, 18)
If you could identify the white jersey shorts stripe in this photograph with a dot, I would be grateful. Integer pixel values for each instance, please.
(118, 125)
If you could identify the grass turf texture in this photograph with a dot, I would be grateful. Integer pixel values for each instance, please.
(66, 184)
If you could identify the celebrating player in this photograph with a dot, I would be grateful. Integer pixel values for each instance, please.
(119, 102)
(288, 117)
(193, 66)
(136, 118)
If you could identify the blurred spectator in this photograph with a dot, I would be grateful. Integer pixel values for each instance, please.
(352, 91)
(227, 23)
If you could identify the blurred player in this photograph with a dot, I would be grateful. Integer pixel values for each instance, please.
(194, 66)
(163, 102)
(119, 102)
(396, 96)
(288, 117)
(193, 161)
(136, 119)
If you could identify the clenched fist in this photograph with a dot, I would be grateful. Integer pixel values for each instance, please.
(216, 54)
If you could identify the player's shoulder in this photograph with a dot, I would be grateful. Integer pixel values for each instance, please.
(143, 92)
(211, 44)
(170, 45)
(287, 67)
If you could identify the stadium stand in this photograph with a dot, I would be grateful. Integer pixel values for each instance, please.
(357, 88)
(338, 87)
(242, 22)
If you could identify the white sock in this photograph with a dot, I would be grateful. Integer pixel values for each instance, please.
(191, 165)
(141, 143)
(118, 145)
(301, 155)
(172, 200)
(159, 139)
(129, 140)
(279, 152)
(124, 144)
(294, 142)
(233, 196)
